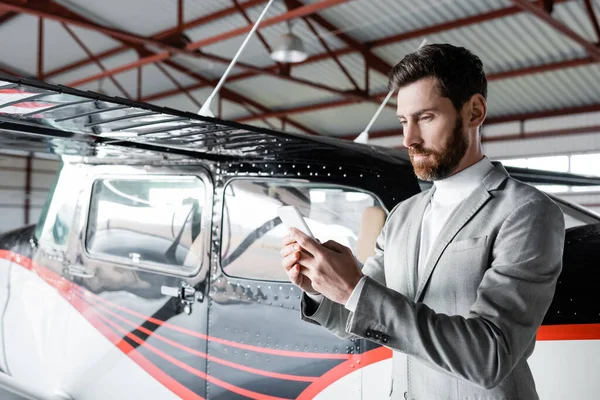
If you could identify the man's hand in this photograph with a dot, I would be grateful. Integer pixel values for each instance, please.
(290, 254)
(330, 268)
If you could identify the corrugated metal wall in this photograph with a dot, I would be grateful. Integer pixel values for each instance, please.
(18, 176)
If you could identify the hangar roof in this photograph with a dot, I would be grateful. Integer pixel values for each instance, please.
(172, 54)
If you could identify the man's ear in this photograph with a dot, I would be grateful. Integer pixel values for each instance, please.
(477, 110)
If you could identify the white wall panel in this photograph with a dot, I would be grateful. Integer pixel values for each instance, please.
(543, 146)
(10, 219)
(13, 181)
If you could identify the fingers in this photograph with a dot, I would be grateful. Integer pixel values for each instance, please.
(295, 275)
(289, 249)
(290, 260)
(306, 242)
(287, 240)
(335, 246)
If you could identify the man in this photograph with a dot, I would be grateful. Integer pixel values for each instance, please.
(463, 273)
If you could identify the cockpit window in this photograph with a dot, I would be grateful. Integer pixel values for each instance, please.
(252, 231)
(155, 221)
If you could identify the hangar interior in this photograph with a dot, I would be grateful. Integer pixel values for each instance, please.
(541, 58)
(316, 68)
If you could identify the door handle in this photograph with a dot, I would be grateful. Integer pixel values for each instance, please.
(57, 255)
(80, 272)
(185, 293)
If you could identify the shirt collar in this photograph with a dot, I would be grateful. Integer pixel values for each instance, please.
(459, 186)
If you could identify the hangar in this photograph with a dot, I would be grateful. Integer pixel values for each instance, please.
(541, 60)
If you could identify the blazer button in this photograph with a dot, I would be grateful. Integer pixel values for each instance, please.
(368, 333)
(377, 336)
(385, 339)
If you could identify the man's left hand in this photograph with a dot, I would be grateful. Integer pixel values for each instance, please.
(331, 267)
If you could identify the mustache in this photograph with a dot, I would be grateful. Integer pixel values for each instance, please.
(420, 151)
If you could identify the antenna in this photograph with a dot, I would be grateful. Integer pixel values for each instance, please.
(364, 135)
(205, 110)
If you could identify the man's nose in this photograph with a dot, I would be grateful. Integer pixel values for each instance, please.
(412, 135)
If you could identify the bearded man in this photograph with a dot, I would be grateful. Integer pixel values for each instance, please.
(463, 273)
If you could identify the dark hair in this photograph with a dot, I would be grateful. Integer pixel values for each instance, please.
(458, 71)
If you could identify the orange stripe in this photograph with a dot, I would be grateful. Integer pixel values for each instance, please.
(284, 353)
(204, 355)
(569, 332)
(166, 380)
(182, 365)
(357, 362)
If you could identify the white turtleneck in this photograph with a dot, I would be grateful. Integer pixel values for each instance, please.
(448, 195)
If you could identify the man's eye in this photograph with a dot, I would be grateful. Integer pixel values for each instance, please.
(425, 118)
(402, 123)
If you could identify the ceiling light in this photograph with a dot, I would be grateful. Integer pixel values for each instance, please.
(290, 49)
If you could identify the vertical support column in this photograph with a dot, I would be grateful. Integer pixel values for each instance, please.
(139, 84)
(180, 16)
(367, 75)
(27, 204)
(40, 69)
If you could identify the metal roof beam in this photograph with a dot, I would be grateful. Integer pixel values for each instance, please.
(161, 35)
(252, 3)
(374, 61)
(513, 118)
(333, 56)
(258, 34)
(542, 134)
(591, 48)
(593, 19)
(524, 136)
(490, 77)
(59, 13)
(96, 60)
(6, 16)
(226, 93)
(544, 114)
(381, 42)
(236, 97)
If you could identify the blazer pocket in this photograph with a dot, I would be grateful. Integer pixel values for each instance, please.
(466, 244)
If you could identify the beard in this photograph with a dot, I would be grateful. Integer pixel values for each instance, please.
(440, 164)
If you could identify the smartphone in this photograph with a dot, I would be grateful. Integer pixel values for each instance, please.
(291, 217)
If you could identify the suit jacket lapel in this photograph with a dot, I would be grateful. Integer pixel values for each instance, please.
(461, 215)
(413, 241)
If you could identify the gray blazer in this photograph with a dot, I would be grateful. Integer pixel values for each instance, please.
(471, 323)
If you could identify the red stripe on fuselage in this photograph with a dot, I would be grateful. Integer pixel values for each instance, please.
(163, 378)
(275, 352)
(182, 365)
(546, 332)
(200, 353)
(64, 286)
(569, 332)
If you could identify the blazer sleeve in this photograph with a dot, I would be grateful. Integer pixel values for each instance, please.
(512, 299)
(333, 316)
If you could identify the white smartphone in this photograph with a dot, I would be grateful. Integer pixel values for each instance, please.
(291, 217)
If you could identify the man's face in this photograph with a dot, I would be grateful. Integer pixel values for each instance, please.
(433, 130)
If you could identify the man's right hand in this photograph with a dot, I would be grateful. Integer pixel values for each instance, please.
(290, 253)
